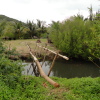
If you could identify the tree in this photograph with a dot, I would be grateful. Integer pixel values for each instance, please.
(18, 27)
(31, 28)
(40, 28)
(2, 26)
(8, 30)
(76, 37)
(91, 13)
(97, 16)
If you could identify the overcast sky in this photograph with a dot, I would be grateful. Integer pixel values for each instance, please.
(46, 10)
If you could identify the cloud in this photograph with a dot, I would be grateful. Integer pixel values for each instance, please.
(22, 1)
(46, 10)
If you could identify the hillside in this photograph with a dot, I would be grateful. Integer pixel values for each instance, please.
(5, 18)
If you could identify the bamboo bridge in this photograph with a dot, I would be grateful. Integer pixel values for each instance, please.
(37, 67)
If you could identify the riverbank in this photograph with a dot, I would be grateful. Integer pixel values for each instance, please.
(23, 51)
(36, 88)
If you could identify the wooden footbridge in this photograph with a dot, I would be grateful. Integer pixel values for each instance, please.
(37, 67)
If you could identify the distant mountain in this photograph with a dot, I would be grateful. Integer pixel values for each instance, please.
(5, 18)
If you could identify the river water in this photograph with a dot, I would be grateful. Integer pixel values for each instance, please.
(68, 69)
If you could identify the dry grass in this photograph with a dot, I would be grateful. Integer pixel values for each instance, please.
(21, 47)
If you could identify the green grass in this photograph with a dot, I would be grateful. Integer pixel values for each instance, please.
(32, 88)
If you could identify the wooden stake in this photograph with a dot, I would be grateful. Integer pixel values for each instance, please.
(9, 47)
(35, 49)
(52, 65)
(44, 57)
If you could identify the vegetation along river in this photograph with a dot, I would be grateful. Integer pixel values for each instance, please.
(68, 69)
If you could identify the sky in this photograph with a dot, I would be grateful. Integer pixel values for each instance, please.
(46, 10)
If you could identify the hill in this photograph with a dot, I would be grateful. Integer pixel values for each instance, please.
(5, 18)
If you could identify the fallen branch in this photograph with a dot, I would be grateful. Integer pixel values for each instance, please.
(41, 71)
(54, 52)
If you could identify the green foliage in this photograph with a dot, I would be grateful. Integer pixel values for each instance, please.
(8, 27)
(84, 88)
(7, 67)
(5, 18)
(8, 30)
(18, 29)
(10, 71)
(28, 88)
(2, 48)
(31, 88)
(5, 91)
(13, 29)
(31, 28)
(2, 26)
(44, 35)
(76, 37)
(15, 86)
(36, 29)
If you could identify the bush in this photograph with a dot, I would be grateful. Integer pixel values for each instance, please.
(76, 37)
(85, 88)
(10, 71)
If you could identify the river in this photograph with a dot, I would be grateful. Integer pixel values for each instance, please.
(68, 69)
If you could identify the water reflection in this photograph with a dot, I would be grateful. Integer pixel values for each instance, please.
(69, 69)
(75, 69)
(45, 67)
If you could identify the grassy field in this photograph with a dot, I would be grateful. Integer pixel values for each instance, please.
(36, 88)
(21, 47)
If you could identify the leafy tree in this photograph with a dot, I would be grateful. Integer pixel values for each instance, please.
(97, 16)
(36, 29)
(31, 28)
(40, 28)
(2, 26)
(8, 31)
(91, 13)
(18, 27)
(76, 37)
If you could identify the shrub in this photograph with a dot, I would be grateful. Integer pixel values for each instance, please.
(76, 37)
(10, 71)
